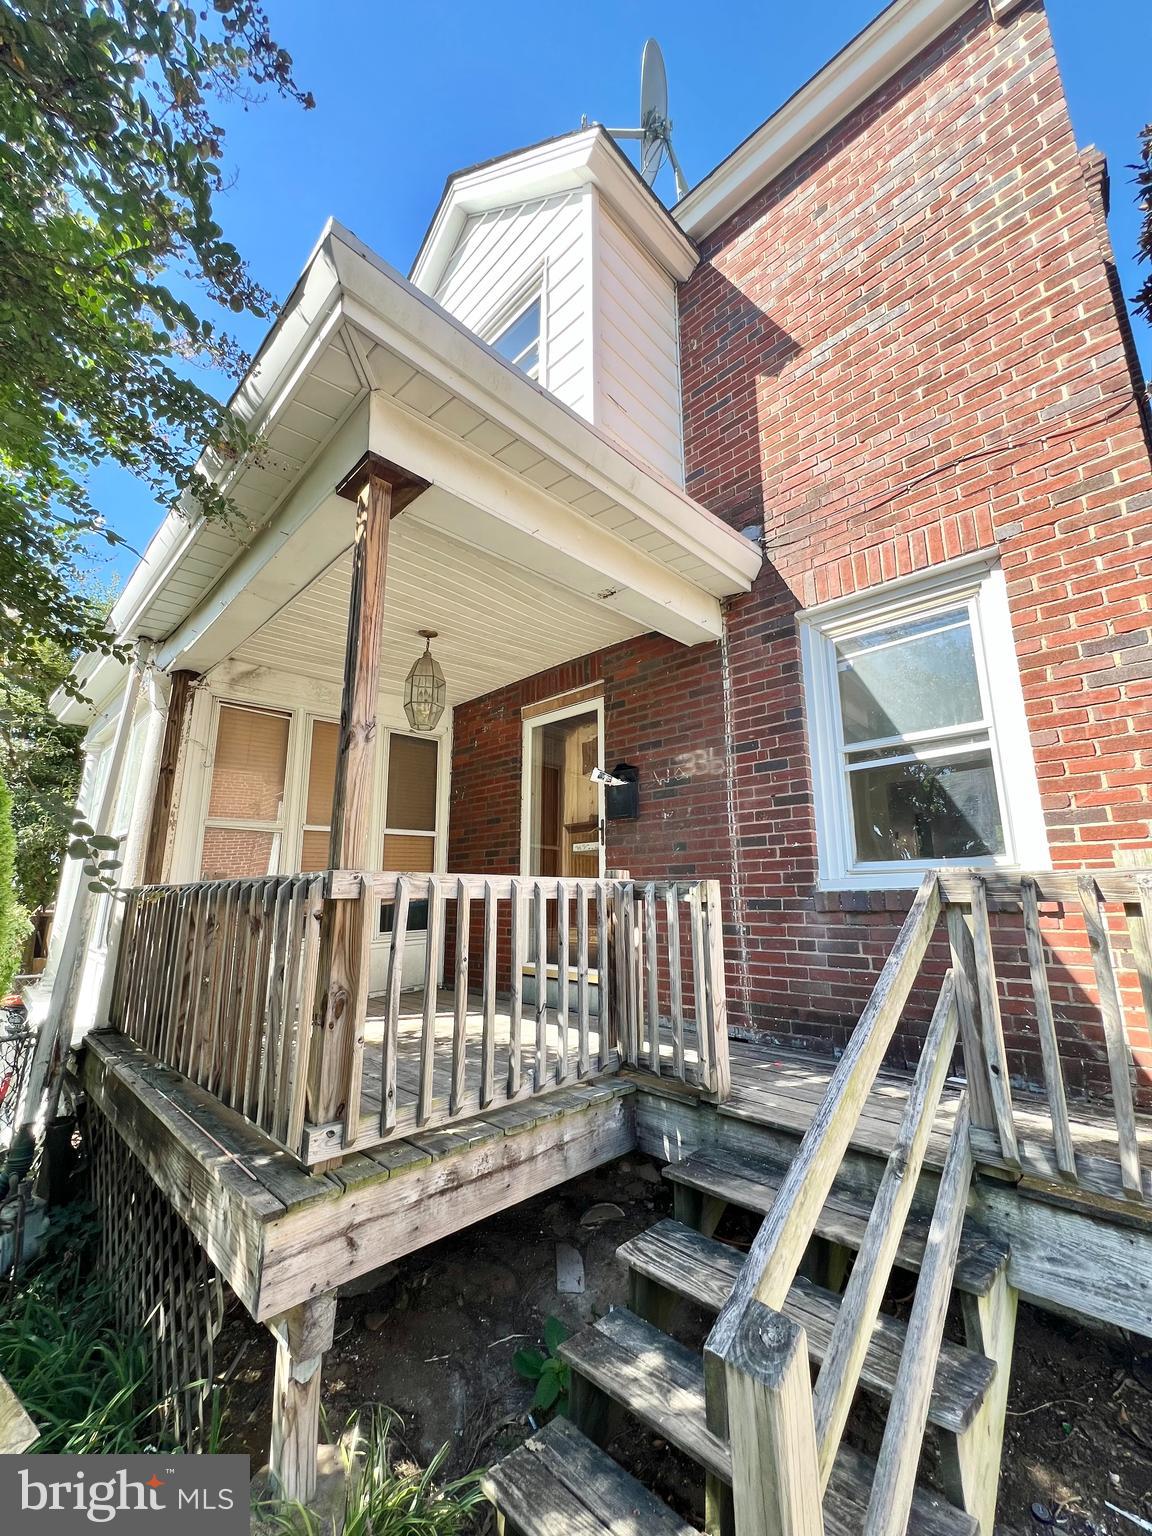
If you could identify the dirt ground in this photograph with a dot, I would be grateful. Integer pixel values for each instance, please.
(433, 1338)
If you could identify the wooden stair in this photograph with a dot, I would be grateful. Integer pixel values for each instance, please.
(770, 1441)
(685, 1263)
(661, 1383)
(708, 1181)
(561, 1481)
(559, 1484)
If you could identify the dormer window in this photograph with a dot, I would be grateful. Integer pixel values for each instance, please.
(519, 341)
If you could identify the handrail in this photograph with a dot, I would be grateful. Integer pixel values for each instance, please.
(760, 1397)
(775, 1255)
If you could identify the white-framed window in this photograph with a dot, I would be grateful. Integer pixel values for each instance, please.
(518, 334)
(244, 826)
(920, 750)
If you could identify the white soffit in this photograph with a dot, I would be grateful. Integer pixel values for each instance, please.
(435, 368)
(885, 46)
(588, 158)
(496, 622)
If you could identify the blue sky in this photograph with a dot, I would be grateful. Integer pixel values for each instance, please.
(407, 93)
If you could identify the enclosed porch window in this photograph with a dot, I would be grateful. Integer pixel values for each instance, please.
(244, 829)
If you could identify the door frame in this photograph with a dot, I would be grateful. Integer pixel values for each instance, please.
(552, 717)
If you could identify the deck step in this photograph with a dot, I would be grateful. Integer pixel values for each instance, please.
(661, 1383)
(704, 1271)
(752, 1184)
(559, 1482)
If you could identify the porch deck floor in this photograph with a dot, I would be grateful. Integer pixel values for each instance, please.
(561, 1052)
(782, 1089)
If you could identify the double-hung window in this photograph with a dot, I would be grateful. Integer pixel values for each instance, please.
(920, 748)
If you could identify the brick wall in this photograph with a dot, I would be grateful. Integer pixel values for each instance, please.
(904, 349)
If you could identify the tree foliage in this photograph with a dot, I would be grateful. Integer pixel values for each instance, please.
(110, 161)
(13, 917)
(41, 760)
(1143, 169)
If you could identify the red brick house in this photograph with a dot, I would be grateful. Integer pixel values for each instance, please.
(673, 662)
(903, 353)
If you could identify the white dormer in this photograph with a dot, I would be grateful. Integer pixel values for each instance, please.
(564, 261)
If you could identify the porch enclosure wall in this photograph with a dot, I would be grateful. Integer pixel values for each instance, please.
(223, 981)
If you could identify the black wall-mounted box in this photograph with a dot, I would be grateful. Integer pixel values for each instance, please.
(622, 801)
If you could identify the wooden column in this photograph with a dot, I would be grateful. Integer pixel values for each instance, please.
(302, 1336)
(152, 870)
(381, 490)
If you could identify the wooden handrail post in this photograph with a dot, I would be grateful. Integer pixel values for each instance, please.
(775, 1476)
(342, 990)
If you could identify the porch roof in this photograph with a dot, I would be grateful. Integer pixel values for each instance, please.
(360, 360)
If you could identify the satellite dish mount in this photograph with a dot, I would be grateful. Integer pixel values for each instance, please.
(655, 130)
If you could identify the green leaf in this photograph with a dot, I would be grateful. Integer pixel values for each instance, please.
(528, 1363)
(110, 844)
(82, 829)
(548, 1390)
(78, 849)
(555, 1332)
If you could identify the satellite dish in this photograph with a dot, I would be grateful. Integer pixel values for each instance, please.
(655, 130)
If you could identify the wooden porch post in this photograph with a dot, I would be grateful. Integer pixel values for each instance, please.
(152, 869)
(380, 490)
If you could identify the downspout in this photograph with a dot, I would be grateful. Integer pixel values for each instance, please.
(51, 1038)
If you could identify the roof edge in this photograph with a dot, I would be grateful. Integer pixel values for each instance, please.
(589, 156)
(889, 42)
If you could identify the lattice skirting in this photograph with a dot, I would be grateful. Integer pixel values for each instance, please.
(163, 1282)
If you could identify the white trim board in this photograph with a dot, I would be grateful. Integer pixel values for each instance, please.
(883, 48)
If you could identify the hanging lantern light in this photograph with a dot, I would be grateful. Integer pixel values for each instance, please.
(424, 688)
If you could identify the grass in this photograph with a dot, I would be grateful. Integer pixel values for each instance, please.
(386, 1495)
(82, 1382)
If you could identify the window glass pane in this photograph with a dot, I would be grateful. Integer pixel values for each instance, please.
(520, 343)
(248, 771)
(411, 855)
(564, 808)
(321, 773)
(315, 851)
(235, 853)
(916, 676)
(944, 809)
(411, 801)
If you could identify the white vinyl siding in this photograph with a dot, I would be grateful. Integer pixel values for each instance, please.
(609, 342)
(501, 256)
(639, 369)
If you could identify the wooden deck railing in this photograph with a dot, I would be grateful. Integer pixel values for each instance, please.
(217, 979)
(527, 985)
(784, 1434)
(1043, 995)
(643, 986)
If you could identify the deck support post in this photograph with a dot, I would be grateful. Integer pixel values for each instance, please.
(303, 1336)
(380, 490)
(970, 1462)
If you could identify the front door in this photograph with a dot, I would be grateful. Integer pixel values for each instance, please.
(563, 805)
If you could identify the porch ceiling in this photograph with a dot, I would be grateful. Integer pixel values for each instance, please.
(496, 622)
(360, 360)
